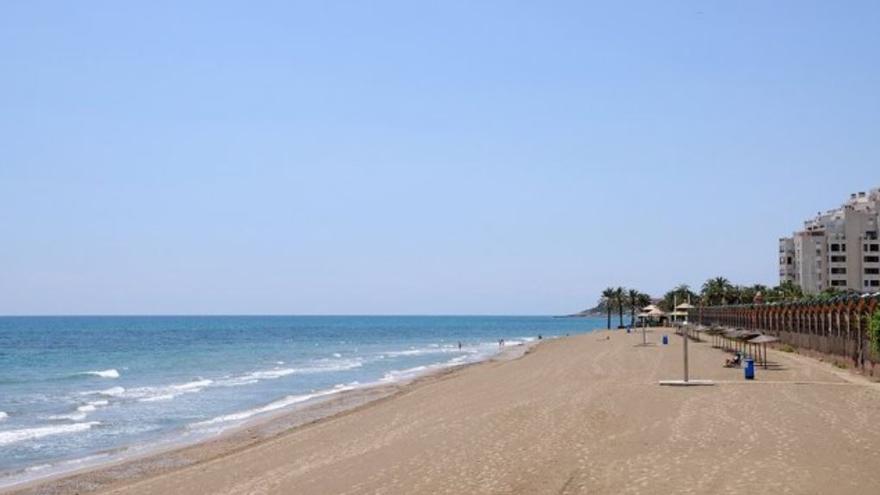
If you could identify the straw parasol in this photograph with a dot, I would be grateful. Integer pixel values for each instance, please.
(763, 340)
(649, 311)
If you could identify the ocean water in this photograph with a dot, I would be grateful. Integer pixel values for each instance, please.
(79, 388)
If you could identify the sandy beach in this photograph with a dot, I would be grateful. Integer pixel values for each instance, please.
(574, 415)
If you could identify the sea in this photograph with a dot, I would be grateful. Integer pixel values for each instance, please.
(76, 390)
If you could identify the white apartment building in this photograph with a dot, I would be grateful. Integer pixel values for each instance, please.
(836, 249)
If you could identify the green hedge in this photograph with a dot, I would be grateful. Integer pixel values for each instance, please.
(874, 331)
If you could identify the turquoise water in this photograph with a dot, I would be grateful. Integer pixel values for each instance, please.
(73, 388)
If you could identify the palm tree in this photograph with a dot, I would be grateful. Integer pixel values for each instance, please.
(717, 291)
(608, 301)
(619, 297)
(632, 300)
(644, 300)
(788, 291)
(682, 293)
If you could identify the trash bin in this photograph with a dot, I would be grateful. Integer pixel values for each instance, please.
(749, 369)
(665, 339)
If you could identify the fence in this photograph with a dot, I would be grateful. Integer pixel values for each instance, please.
(837, 326)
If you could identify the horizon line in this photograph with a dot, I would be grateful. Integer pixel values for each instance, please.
(69, 315)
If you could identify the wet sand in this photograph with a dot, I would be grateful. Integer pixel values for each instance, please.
(582, 414)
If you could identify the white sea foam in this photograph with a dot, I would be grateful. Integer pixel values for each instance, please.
(320, 366)
(433, 349)
(3, 416)
(110, 392)
(236, 381)
(268, 374)
(38, 467)
(158, 398)
(14, 436)
(81, 411)
(398, 375)
(167, 392)
(111, 373)
(414, 372)
(330, 365)
(77, 416)
(272, 406)
(337, 355)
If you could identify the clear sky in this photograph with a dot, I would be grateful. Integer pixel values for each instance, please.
(418, 157)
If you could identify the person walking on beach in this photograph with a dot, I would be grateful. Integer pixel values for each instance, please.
(459, 345)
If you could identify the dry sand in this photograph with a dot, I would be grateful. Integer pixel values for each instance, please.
(576, 415)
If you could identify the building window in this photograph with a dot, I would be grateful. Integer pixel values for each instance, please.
(838, 271)
(835, 247)
(875, 283)
(872, 271)
(838, 283)
(838, 259)
(872, 259)
(874, 247)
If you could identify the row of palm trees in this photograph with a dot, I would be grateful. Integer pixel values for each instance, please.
(719, 291)
(621, 298)
(714, 292)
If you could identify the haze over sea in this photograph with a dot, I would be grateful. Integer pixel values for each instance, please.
(72, 388)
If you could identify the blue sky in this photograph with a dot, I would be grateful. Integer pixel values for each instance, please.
(418, 157)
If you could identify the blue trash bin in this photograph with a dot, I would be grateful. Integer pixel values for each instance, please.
(665, 339)
(749, 369)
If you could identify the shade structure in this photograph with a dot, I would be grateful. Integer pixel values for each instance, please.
(685, 307)
(739, 338)
(715, 333)
(655, 312)
(760, 342)
(652, 312)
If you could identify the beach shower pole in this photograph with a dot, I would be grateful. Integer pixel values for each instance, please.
(685, 336)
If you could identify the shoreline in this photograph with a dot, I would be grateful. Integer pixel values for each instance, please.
(137, 462)
(582, 414)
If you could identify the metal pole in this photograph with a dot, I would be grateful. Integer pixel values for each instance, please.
(684, 333)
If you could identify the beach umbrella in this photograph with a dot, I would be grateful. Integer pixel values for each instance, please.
(764, 340)
(652, 312)
(685, 307)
